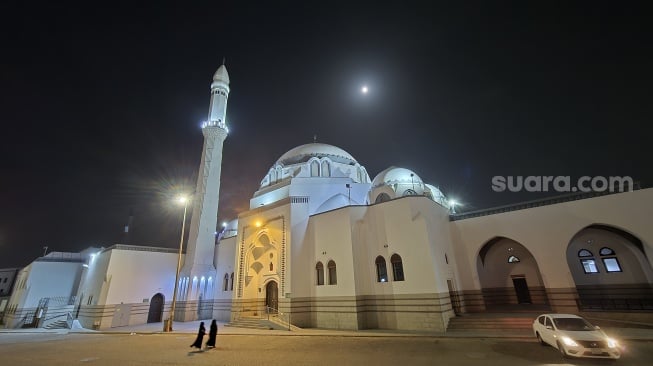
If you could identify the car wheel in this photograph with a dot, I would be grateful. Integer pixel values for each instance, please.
(562, 351)
(539, 339)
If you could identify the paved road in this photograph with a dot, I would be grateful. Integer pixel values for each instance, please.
(173, 349)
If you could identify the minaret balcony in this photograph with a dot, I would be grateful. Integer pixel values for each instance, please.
(218, 123)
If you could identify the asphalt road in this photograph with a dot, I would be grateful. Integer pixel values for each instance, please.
(173, 349)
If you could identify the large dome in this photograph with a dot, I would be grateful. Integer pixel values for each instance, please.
(304, 152)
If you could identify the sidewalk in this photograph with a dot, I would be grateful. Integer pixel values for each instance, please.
(633, 334)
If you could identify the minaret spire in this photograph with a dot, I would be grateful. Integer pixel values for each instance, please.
(199, 273)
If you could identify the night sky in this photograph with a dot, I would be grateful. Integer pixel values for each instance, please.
(101, 106)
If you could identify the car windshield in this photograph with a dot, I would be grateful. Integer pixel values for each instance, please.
(572, 324)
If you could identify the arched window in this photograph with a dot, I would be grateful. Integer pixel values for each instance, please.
(333, 278)
(587, 261)
(231, 286)
(382, 198)
(279, 173)
(611, 263)
(397, 267)
(319, 271)
(273, 176)
(513, 259)
(410, 192)
(326, 169)
(381, 270)
(225, 282)
(315, 169)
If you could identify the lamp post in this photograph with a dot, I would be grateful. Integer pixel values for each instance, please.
(168, 327)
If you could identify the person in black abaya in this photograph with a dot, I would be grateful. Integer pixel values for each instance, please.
(200, 336)
(213, 332)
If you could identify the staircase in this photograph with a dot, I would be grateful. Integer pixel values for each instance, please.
(249, 323)
(59, 324)
(518, 323)
(258, 323)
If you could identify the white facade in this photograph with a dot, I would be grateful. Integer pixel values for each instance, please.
(335, 249)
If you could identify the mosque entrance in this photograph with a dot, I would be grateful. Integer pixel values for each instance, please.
(272, 296)
(156, 309)
(509, 276)
(521, 289)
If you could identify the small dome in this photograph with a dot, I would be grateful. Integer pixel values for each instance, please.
(304, 152)
(394, 175)
(221, 74)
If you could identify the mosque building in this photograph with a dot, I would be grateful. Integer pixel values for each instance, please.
(334, 248)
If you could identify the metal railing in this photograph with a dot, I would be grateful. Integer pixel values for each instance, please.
(278, 315)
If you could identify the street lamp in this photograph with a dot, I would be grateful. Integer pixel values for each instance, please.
(183, 200)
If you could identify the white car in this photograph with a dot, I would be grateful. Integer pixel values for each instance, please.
(574, 336)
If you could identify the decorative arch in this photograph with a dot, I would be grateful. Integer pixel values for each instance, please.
(507, 283)
(610, 269)
(382, 197)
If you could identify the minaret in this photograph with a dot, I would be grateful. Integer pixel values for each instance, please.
(198, 276)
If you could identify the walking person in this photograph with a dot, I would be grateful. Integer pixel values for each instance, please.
(200, 336)
(213, 332)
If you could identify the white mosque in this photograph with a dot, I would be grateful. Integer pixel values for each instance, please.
(333, 248)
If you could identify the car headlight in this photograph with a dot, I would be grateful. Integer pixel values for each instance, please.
(612, 343)
(569, 342)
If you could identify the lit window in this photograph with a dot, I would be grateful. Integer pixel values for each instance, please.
(611, 264)
(513, 259)
(333, 279)
(585, 253)
(589, 266)
(381, 270)
(319, 269)
(397, 267)
(606, 251)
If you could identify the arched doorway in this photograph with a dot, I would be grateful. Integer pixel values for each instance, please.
(272, 296)
(155, 314)
(509, 275)
(610, 270)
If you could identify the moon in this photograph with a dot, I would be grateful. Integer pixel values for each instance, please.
(364, 89)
